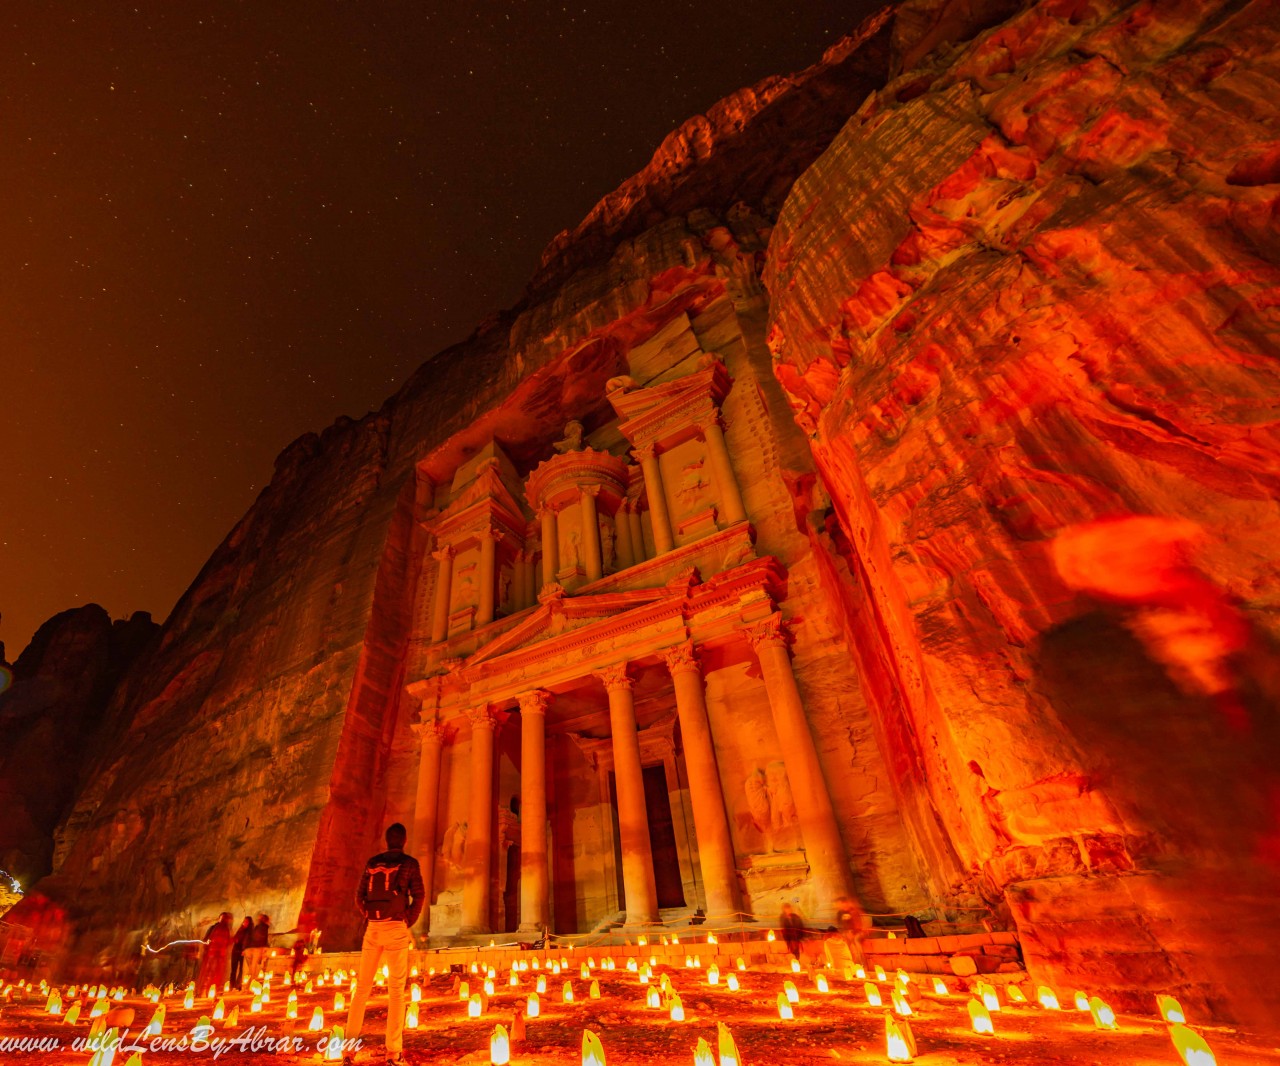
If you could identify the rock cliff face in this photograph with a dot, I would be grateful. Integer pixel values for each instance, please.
(1012, 433)
(1025, 308)
(51, 719)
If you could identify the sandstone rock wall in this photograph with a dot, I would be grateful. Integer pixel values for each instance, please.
(1032, 285)
(51, 721)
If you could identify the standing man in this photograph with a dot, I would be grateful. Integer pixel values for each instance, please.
(390, 895)
(259, 949)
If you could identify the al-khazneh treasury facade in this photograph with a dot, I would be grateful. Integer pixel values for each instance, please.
(630, 696)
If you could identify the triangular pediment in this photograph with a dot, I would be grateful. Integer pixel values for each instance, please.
(560, 614)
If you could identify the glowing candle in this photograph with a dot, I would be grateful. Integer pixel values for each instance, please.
(73, 1014)
(784, 1007)
(741, 963)
(188, 1001)
(990, 999)
(54, 1004)
(592, 1049)
(533, 1005)
(940, 987)
(642, 941)
(256, 1006)
(583, 972)
(675, 938)
(1015, 994)
(415, 993)
(499, 1046)
(542, 982)
(728, 1048)
(1191, 1046)
(899, 1041)
(688, 962)
(488, 986)
(820, 982)
(677, 1009)
(411, 1016)
(333, 1048)
(732, 982)
(903, 978)
(1103, 1016)
(307, 989)
(713, 975)
(795, 965)
(872, 993)
(900, 1004)
(1171, 1010)
(632, 966)
(106, 1049)
(233, 1019)
(771, 938)
(464, 990)
(880, 974)
(220, 1011)
(702, 1054)
(291, 1006)
(792, 993)
(568, 992)
(317, 1020)
(859, 973)
(1047, 998)
(653, 999)
(339, 1001)
(474, 1006)
(1081, 1001)
(594, 991)
(711, 938)
(980, 1017)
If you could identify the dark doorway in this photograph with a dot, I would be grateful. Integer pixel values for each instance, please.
(662, 837)
(511, 893)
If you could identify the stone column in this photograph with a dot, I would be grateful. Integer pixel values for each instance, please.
(663, 541)
(534, 876)
(475, 859)
(591, 557)
(622, 523)
(715, 845)
(444, 590)
(426, 810)
(488, 575)
(726, 482)
(550, 547)
(638, 548)
(824, 849)
(633, 818)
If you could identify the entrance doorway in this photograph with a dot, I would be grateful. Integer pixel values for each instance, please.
(662, 838)
(511, 891)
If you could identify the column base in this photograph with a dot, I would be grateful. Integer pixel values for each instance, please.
(467, 930)
(528, 932)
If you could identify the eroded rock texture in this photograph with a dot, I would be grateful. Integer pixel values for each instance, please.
(1032, 286)
(51, 717)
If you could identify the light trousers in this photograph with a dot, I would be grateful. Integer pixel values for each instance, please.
(393, 940)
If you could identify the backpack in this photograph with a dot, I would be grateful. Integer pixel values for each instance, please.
(384, 894)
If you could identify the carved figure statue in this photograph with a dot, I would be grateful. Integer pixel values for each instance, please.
(692, 483)
(454, 844)
(783, 820)
(574, 554)
(757, 790)
(504, 588)
(572, 440)
(606, 545)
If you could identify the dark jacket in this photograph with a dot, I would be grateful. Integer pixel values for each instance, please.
(408, 876)
(261, 935)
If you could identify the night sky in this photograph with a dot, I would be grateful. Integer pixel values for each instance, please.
(224, 225)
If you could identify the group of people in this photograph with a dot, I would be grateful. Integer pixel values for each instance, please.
(229, 955)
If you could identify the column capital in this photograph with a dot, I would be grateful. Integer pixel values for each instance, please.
(483, 717)
(430, 731)
(704, 422)
(589, 490)
(615, 677)
(645, 452)
(443, 553)
(768, 632)
(535, 702)
(681, 658)
(488, 533)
